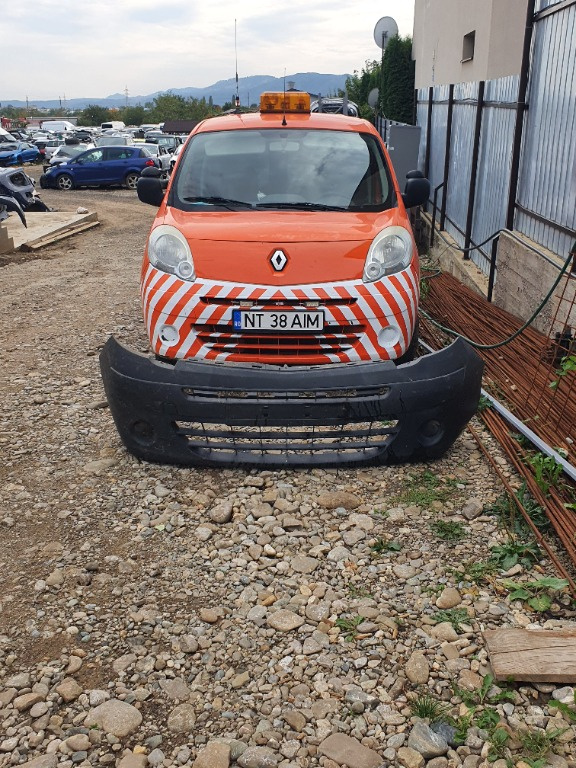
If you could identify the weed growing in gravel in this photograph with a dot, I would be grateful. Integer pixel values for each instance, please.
(498, 740)
(349, 625)
(474, 571)
(428, 708)
(566, 709)
(537, 744)
(448, 530)
(538, 594)
(547, 471)
(358, 592)
(484, 403)
(381, 546)
(525, 553)
(456, 617)
(484, 694)
(506, 510)
(425, 489)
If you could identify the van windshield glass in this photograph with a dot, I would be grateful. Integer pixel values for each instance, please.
(283, 168)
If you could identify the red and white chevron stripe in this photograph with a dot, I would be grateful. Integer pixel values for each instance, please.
(365, 310)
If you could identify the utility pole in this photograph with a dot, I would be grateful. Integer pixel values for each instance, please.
(126, 94)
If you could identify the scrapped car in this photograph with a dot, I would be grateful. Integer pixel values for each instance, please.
(161, 153)
(337, 106)
(17, 153)
(280, 288)
(175, 155)
(100, 166)
(66, 152)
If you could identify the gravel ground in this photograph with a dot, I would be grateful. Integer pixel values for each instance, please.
(160, 616)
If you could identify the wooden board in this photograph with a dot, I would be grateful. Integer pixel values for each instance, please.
(533, 655)
(59, 234)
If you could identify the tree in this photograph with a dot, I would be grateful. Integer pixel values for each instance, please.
(358, 87)
(397, 93)
(94, 114)
(133, 115)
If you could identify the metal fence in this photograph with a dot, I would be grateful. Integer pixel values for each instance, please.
(467, 142)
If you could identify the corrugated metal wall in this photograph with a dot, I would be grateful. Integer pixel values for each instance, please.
(547, 184)
(546, 195)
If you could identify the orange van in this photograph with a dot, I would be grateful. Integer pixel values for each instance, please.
(280, 289)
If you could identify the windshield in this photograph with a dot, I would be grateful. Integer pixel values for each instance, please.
(70, 151)
(283, 168)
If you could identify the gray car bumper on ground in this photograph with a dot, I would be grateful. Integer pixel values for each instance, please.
(207, 413)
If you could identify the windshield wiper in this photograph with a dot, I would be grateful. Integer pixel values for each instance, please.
(303, 206)
(225, 202)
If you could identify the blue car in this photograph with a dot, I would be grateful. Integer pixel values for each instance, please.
(18, 152)
(101, 166)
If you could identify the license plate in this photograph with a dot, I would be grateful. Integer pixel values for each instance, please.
(289, 322)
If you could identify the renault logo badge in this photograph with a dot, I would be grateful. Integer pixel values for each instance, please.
(278, 260)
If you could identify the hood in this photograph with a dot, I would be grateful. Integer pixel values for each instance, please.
(318, 246)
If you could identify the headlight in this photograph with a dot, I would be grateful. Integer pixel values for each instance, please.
(391, 251)
(169, 251)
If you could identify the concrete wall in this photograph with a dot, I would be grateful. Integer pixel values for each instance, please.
(439, 30)
(523, 280)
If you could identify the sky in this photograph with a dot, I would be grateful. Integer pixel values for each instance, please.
(62, 49)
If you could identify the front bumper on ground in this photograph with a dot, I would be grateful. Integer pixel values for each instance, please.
(205, 413)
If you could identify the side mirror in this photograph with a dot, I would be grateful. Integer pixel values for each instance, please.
(149, 187)
(417, 189)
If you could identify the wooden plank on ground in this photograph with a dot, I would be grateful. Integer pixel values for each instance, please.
(60, 234)
(533, 655)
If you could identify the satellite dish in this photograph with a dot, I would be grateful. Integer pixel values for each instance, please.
(373, 98)
(385, 28)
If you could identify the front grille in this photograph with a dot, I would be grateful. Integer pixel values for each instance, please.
(287, 445)
(219, 339)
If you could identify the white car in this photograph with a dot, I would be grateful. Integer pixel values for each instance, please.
(66, 152)
(161, 153)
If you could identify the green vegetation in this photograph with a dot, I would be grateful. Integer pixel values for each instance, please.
(425, 489)
(538, 594)
(448, 530)
(547, 471)
(567, 365)
(394, 78)
(382, 545)
(455, 616)
(349, 625)
(474, 571)
(537, 744)
(428, 708)
(514, 552)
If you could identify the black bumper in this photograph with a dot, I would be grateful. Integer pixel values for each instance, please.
(206, 413)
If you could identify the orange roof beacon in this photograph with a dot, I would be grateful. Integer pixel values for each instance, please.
(280, 289)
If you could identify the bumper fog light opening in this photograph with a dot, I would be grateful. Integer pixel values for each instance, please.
(431, 432)
(143, 432)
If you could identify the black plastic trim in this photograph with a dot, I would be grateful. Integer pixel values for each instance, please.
(207, 413)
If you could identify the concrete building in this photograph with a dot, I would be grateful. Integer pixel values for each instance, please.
(458, 41)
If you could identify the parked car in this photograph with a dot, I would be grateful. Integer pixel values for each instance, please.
(83, 134)
(175, 155)
(334, 106)
(66, 152)
(161, 153)
(113, 140)
(47, 148)
(100, 166)
(18, 153)
(166, 140)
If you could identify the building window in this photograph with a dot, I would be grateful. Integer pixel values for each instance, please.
(468, 46)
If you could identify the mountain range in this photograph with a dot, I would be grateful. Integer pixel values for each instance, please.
(249, 89)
